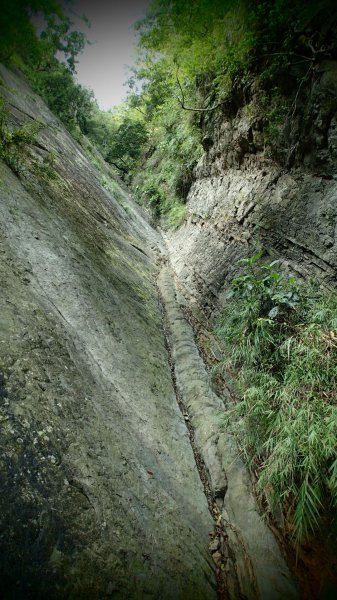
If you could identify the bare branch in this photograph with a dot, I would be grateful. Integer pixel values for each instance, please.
(289, 54)
(122, 169)
(182, 101)
(140, 111)
(294, 105)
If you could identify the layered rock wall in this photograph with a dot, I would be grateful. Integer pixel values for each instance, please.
(244, 198)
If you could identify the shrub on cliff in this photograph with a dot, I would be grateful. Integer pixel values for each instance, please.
(280, 340)
(200, 57)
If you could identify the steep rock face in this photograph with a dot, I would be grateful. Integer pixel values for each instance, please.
(99, 493)
(243, 199)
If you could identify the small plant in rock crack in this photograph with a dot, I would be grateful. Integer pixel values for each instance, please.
(15, 141)
(280, 340)
(267, 304)
(45, 167)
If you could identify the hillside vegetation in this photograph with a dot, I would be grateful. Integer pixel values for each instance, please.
(194, 60)
(280, 347)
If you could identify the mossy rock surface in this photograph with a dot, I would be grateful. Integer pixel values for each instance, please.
(99, 493)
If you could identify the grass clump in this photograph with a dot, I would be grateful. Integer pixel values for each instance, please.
(280, 337)
(176, 214)
(14, 142)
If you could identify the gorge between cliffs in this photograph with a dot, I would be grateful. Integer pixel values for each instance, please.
(118, 477)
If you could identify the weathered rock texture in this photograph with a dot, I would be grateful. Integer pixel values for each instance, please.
(242, 199)
(254, 566)
(99, 493)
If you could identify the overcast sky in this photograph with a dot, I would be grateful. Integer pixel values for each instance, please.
(101, 65)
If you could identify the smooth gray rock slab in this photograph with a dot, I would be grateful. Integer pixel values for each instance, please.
(99, 492)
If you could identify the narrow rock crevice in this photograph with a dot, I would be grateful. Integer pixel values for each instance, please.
(249, 563)
(218, 543)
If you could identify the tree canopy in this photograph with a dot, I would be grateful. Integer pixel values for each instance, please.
(36, 54)
(191, 56)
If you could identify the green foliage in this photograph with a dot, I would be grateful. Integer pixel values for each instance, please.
(58, 37)
(17, 33)
(172, 153)
(176, 214)
(192, 56)
(200, 38)
(179, 44)
(280, 339)
(125, 144)
(71, 102)
(98, 129)
(14, 142)
(196, 56)
(120, 135)
(35, 54)
(288, 28)
(276, 109)
(19, 40)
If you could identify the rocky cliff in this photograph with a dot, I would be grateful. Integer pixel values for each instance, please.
(99, 495)
(116, 479)
(246, 196)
